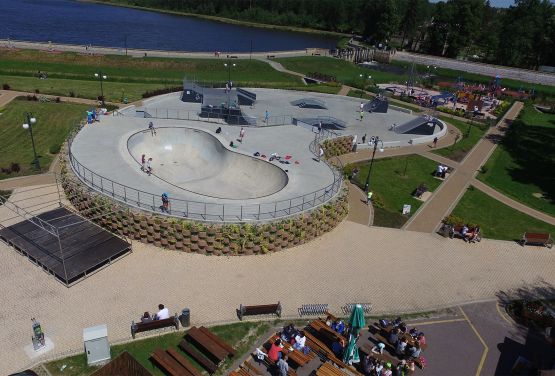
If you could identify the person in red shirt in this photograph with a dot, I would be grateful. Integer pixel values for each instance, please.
(275, 351)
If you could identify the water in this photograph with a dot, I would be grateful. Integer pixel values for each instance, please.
(72, 22)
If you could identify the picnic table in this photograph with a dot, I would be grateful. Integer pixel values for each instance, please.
(296, 356)
(328, 369)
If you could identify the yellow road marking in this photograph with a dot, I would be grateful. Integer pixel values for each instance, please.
(486, 349)
(436, 322)
(502, 314)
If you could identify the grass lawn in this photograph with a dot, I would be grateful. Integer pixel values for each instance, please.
(522, 166)
(54, 121)
(342, 70)
(73, 71)
(241, 336)
(497, 220)
(458, 151)
(326, 89)
(392, 188)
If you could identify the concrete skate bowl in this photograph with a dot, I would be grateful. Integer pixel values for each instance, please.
(198, 162)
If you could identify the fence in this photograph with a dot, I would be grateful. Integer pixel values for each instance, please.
(206, 211)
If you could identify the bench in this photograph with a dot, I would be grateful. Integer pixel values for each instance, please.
(137, 327)
(328, 369)
(266, 309)
(168, 364)
(366, 349)
(184, 362)
(536, 239)
(218, 340)
(326, 352)
(208, 365)
(212, 349)
(296, 356)
(251, 369)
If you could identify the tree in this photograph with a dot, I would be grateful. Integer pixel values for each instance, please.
(465, 25)
(411, 19)
(381, 20)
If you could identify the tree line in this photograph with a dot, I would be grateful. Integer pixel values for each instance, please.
(522, 35)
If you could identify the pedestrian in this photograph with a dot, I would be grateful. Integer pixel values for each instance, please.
(320, 154)
(241, 134)
(361, 115)
(364, 139)
(143, 162)
(266, 116)
(369, 197)
(149, 166)
(165, 203)
(361, 106)
(435, 142)
(152, 129)
(320, 127)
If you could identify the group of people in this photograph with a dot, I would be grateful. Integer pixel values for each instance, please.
(441, 171)
(470, 235)
(146, 164)
(163, 313)
(375, 367)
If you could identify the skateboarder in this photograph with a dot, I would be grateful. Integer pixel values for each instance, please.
(149, 166)
(435, 142)
(361, 115)
(266, 116)
(152, 129)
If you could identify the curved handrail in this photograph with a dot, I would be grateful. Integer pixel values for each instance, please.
(205, 211)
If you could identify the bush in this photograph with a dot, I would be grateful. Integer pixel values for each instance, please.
(58, 100)
(54, 149)
(5, 87)
(5, 170)
(37, 91)
(71, 93)
(14, 167)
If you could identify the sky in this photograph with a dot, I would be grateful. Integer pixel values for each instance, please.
(495, 3)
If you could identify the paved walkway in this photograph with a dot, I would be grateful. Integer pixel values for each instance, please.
(343, 269)
(444, 199)
(359, 212)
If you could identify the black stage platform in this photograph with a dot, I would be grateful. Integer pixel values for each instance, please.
(85, 247)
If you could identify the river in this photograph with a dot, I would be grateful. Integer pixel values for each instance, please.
(73, 22)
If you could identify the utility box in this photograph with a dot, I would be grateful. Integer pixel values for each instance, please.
(185, 317)
(96, 343)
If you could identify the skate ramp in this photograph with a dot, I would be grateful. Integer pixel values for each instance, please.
(422, 125)
(196, 161)
(310, 103)
(377, 105)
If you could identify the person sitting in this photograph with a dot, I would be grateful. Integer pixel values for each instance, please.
(367, 364)
(387, 370)
(146, 317)
(473, 236)
(421, 339)
(338, 347)
(401, 347)
(300, 341)
(163, 313)
(219, 130)
(444, 170)
(378, 368)
(378, 349)
(339, 326)
(402, 327)
(274, 353)
(420, 190)
(414, 351)
(288, 333)
(394, 336)
(413, 332)
(464, 231)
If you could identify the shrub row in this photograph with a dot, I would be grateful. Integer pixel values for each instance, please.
(337, 146)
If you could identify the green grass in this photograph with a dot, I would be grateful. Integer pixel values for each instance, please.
(322, 88)
(344, 71)
(72, 71)
(522, 166)
(241, 336)
(497, 220)
(54, 121)
(458, 151)
(393, 188)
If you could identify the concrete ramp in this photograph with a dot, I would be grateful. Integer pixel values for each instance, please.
(377, 105)
(197, 161)
(328, 122)
(310, 103)
(245, 97)
(422, 125)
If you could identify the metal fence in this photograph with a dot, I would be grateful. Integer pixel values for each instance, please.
(206, 211)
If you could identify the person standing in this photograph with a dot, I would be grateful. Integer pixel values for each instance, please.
(364, 139)
(241, 134)
(320, 154)
(149, 166)
(369, 197)
(143, 162)
(361, 115)
(165, 203)
(435, 142)
(266, 116)
(361, 106)
(152, 129)
(283, 366)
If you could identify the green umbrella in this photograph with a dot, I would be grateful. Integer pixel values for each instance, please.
(356, 323)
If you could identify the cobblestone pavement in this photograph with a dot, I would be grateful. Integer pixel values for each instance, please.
(353, 263)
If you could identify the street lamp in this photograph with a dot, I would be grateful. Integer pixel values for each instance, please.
(229, 65)
(374, 140)
(363, 76)
(101, 77)
(30, 120)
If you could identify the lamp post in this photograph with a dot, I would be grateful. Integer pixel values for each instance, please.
(228, 65)
(101, 77)
(375, 140)
(363, 76)
(30, 120)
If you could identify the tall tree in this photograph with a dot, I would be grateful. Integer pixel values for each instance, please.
(411, 19)
(381, 20)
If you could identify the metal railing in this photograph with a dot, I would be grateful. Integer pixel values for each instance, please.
(205, 211)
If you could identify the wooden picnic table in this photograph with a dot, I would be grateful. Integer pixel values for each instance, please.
(299, 357)
(207, 344)
(328, 369)
(385, 332)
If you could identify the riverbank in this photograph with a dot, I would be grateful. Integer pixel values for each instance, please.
(224, 19)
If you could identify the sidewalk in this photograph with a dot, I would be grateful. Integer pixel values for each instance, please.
(450, 192)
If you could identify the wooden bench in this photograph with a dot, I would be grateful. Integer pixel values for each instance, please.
(137, 327)
(168, 364)
(536, 239)
(205, 343)
(184, 362)
(326, 352)
(251, 369)
(208, 365)
(218, 340)
(327, 369)
(266, 309)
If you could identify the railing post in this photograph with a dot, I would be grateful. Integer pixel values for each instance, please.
(153, 204)
(314, 200)
(258, 211)
(101, 185)
(223, 212)
(124, 193)
(289, 207)
(241, 215)
(113, 193)
(205, 210)
(138, 199)
(275, 209)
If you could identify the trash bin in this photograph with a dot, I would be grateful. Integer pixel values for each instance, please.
(185, 317)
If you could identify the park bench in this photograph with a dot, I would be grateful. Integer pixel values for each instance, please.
(137, 327)
(206, 363)
(251, 369)
(184, 362)
(266, 309)
(328, 369)
(224, 345)
(211, 348)
(168, 364)
(537, 239)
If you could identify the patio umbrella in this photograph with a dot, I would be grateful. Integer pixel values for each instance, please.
(356, 323)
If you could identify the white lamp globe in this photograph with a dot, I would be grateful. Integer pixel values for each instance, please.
(25, 126)
(33, 120)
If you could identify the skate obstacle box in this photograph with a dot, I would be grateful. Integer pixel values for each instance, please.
(377, 105)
